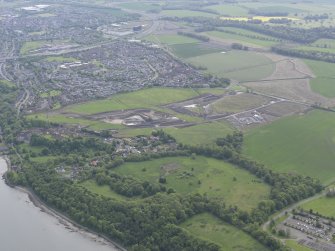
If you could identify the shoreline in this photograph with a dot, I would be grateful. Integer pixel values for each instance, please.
(62, 219)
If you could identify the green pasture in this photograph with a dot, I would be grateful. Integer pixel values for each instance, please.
(228, 237)
(243, 39)
(52, 93)
(202, 175)
(303, 144)
(186, 13)
(324, 83)
(192, 50)
(146, 98)
(139, 6)
(324, 206)
(171, 39)
(239, 65)
(229, 10)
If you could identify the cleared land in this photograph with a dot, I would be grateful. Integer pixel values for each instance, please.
(303, 144)
(226, 236)
(239, 65)
(238, 103)
(203, 175)
(324, 206)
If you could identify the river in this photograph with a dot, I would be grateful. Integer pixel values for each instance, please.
(25, 227)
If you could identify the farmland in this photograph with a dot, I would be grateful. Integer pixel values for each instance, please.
(171, 39)
(239, 65)
(226, 236)
(303, 144)
(230, 10)
(324, 81)
(186, 13)
(203, 175)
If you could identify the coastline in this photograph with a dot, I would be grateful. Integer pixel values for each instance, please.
(62, 219)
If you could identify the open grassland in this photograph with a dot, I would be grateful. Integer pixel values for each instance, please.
(104, 190)
(140, 6)
(304, 144)
(230, 10)
(63, 119)
(324, 83)
(171, 39)
(239, 65)
(146, 98)
(192, 50)
(202, 134)
(238, 103)
(61, 59)
(226, 236)
(202, 175)
(296, 246)
(31, 45)
(324, 206)
(186, 13)
(243, 37)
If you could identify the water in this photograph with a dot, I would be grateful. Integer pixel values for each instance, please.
(24, 227)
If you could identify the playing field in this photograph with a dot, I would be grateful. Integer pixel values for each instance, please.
(226, 236)
(239, 65)
(202, 175)
(324, 83)
(324, 206)
(304, 144)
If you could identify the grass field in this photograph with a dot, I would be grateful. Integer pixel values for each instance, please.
(61, 59)
(202, 134)
(226, 236)
(7, 83)
(186, 13)
(31, 45)
(239, 65)
(62, 119)
(230, 10)
(216, 178)
(303, 144)
(192, 50)
(146, 98)
(260, 18)
(324, 83)
(171, 39)
(140, 6)
(324, 206)
(296, 247)
(241, 36)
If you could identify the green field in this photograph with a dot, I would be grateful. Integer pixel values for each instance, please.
(230, 10)
(239, 65)
(7, 83)
(304, 144)
(32, 45)
(186, 13)
(61, 59)
(192, 50)
(146, 98)
(63, 119)
(171, 39)
(226, 236)
(216, 178)
(324, 206)
(246, 40)
(296, 247)
(140, 6)
(324, 83)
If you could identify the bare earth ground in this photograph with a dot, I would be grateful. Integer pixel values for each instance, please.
(290, 80)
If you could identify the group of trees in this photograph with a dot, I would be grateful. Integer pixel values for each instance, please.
(194, 35)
